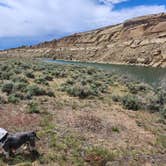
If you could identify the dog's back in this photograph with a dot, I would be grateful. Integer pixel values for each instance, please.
(13, 142)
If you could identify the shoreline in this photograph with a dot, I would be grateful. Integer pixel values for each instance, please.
(104, 63)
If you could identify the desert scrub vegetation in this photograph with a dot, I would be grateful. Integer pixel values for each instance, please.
(23, 80)
(69, 98)
(131, 102)
(33, 107)
(141, 96)
(19, 82)
(89, 84)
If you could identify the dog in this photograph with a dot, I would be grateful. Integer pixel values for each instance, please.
(15, 141)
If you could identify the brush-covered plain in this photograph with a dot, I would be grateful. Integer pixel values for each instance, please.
(83, 116)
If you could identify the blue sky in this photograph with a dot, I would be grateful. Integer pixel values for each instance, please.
(27, 22)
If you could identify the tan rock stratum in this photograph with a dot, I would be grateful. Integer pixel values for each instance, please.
(140, 41)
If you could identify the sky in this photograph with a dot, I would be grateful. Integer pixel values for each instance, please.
(28, 22)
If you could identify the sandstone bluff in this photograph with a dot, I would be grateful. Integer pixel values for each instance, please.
(140, 41)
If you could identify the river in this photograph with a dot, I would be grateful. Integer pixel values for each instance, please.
(149, 75)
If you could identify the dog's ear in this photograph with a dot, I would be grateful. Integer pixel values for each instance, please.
(35, 135)
(34, 132)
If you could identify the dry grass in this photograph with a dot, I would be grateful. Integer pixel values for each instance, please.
(76, 131)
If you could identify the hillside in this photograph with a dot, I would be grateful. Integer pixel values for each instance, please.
(140, 40)
(83, 116)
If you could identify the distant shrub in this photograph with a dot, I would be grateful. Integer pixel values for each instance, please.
(59, 73)
(154, 104)
(4, 67)
(115, 129)
(38, 67)
(85, 86)
(116, 98)
(41, 80)
(33, 108)
(18, 63)
(17, 71)
(162, 96)
(24, 66)
(19, 79)
(20, 86)
(34, 90)
(91, 70)
(79, 90)
(135, 88)
(19, 95)
(157, 103)
(131, 102)
(7, 87)
(163, 112)
(50, 93)
(13, 99)
(48, 78)
(30, 75)
(6, 75)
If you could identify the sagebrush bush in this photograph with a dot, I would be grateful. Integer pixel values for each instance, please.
(24, 66)
(41, 80)
(161, 96)
(83, 86)
(131, 102)
(8, 87)
(6, 75)
(50, 93)
(33, 107)
(17, 71)
(59, 73)
(163, 112)
(154, 104)
(13, 99)
(116, 98)
(4, 67)
(29, 74)
(19, 79)
(48, 78)
(80, 91)
(135, 88)
(34, 90)
(20, 86)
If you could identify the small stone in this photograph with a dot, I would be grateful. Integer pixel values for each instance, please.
(112, 163)
(164, 56)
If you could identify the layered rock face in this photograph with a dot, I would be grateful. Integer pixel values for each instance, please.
(137, 41)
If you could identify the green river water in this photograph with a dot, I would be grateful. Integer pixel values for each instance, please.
(150, 75)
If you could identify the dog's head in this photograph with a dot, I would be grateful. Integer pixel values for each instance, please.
(33, 135)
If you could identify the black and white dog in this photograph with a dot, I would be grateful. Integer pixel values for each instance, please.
(11, 143)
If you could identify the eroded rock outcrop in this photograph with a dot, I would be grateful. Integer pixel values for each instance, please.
(137, 41)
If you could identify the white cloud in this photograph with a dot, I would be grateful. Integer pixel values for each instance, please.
(40, 17)
(113, 1)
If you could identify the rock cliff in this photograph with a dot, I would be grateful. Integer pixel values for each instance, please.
(140, 41)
